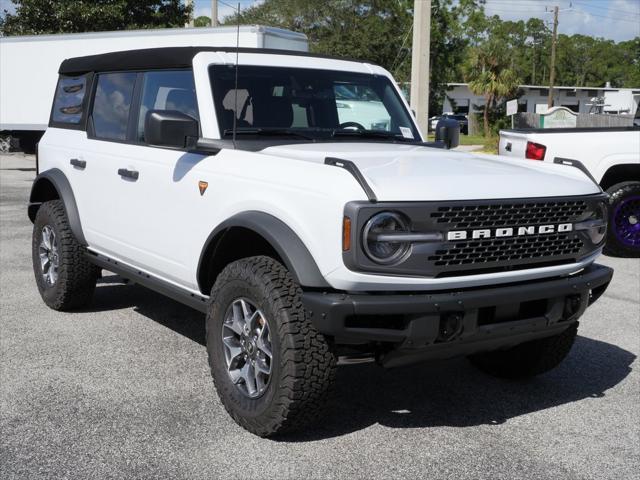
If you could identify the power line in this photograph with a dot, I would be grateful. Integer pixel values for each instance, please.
(234, 7)
(590, 5)
(406, 37)
(490, 6)
(507, 10)
(500, 10)
(619, 19)
(507, 6)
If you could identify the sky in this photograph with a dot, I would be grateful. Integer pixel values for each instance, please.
(613, 19)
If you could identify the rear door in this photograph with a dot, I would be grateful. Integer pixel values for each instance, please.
(101, 152)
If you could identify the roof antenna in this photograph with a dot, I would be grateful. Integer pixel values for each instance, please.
(235, 109)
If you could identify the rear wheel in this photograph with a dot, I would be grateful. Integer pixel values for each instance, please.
(272, 369)
(623, 235)
(65, 279)
(527, 359)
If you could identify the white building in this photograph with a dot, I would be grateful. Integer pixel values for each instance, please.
(459, 99)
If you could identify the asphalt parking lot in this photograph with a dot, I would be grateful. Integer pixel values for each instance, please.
(122, 390)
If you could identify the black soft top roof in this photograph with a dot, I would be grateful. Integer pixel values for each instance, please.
(159, 58)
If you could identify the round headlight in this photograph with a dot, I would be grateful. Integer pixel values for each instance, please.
(378, 241)
(598, 232)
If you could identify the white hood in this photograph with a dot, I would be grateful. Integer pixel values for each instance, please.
(399, 172)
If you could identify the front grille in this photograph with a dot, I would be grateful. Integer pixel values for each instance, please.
(496, 250)
(504, 215)
(507, 250)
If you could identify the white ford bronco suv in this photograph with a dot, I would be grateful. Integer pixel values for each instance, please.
(245, 184)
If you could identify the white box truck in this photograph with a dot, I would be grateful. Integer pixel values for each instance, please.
(29, 65)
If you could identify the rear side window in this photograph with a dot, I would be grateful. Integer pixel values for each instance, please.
(112, 105)
(69, 100)
(167, 90)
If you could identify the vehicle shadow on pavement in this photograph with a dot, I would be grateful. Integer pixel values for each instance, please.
(453, 393)
(443, 393)
(112, 294)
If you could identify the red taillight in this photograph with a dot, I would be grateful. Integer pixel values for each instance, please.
(535, 151)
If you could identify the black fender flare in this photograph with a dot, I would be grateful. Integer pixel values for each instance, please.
(293, 252)
(62, 186)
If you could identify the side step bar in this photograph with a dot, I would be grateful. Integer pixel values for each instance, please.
(198, 302)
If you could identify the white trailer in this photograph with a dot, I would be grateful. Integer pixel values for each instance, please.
(29, 64)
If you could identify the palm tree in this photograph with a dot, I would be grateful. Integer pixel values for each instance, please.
(489, 75)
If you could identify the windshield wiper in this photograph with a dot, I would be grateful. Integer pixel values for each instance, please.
(268, 131)
(370, 134)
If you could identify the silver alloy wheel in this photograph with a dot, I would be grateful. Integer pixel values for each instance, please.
(48, 253)
(247, 347)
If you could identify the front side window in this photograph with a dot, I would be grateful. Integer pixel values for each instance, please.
(167, 90)
(112, 104)
(69, 100)
(318, 104)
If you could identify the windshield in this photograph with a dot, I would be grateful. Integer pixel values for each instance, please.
(309, 103)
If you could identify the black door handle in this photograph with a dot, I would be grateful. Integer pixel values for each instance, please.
(78, 163)
(133, 174)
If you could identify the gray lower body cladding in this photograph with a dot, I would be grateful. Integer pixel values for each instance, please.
(421, 326)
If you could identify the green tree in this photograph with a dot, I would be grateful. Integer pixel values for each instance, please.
(202, 21)
(378, 31)
(372, 30)
(448, 49)
(34, 17)
(539, 36)
(629, 62)
(489, 73)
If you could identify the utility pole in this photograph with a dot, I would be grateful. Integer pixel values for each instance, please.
(214, 13)
(552, 68)
(190, 23)
(420, 62)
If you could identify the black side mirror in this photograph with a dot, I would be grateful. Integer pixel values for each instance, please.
(448, 132)
(170, 128)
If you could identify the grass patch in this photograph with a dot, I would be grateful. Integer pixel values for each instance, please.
(472, 139)
(489, 145)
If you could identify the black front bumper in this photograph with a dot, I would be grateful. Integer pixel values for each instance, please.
(417, 326)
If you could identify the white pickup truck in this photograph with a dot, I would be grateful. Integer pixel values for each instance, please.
(610, 155)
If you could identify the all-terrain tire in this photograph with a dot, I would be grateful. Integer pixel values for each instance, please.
(527, 359)
(76, 277)
(303, 365)
(619, 195)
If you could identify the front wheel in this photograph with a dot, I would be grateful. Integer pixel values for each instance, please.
(271, 368)
(623, 236)
(527, 359)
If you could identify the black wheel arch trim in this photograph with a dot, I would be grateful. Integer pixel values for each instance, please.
(63, 188)
(293, 252)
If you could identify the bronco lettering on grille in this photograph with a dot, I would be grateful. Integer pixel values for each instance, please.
(508, 231)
